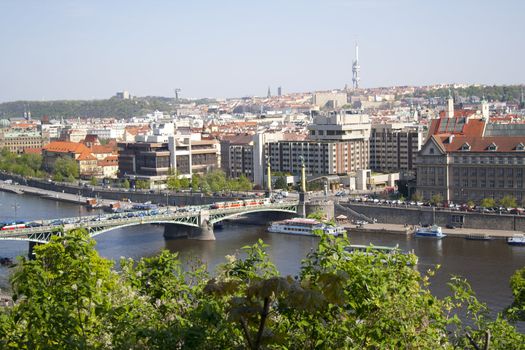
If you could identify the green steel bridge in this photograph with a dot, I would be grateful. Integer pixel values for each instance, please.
(201, 220)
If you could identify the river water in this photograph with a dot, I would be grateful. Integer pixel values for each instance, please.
(487, 265)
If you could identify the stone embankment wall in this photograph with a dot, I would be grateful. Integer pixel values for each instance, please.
(425, 215)
(113, 194)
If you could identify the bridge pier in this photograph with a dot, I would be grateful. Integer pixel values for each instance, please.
(205, 232)
(31, 253)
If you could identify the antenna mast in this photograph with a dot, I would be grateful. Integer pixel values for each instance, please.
(355, 69)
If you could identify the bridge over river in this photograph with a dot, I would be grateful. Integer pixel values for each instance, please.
(196, 224)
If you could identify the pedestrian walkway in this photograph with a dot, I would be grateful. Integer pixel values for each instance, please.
(456, 232)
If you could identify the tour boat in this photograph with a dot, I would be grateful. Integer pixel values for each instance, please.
(433, 231)
(517, 239)
(306, 227)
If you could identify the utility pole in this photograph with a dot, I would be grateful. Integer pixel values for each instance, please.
(15, 207)
(79, 208)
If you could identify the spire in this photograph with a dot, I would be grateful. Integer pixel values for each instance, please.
(269, 93)
(450, 105)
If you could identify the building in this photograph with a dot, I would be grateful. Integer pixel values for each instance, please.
(338, 143)
(123, 95)
(394, 147)
(237, 156)
(17, 140)
(87, 162)
(330, 99)
(467, 158)
(155, 161)
(144, 160)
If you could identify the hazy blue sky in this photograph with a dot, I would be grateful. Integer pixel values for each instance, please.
(90, 49)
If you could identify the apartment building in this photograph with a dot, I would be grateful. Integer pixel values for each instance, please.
(394, 147)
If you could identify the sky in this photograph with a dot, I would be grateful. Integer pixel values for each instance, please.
(72, 49)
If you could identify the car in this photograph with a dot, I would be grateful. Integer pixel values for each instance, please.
(450, 226)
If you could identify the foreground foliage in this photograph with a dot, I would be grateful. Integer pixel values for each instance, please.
(71, 298)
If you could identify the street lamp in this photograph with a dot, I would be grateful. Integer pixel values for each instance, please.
(79, 208)
(15, 207)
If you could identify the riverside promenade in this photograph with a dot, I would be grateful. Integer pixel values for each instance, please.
(58, 196)
(408, 230)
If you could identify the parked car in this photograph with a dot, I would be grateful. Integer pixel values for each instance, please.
(450, 226)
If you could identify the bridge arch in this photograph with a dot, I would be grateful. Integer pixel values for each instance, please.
(215, 218)
(94, 232)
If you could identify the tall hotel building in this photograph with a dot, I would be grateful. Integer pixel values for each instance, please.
(338, 143)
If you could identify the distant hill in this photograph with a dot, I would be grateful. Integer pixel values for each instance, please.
(91, 108)
(503, 93)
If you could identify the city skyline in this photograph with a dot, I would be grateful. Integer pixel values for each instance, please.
(80, 50)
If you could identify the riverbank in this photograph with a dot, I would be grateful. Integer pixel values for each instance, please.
(404, 230)
(58, 196)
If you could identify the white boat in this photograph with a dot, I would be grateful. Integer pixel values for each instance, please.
(433, 231)
(306, 227)
(517, 239)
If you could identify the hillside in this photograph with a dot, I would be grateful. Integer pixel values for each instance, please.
(90, 108)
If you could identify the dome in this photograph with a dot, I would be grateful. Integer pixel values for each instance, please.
(4, 123)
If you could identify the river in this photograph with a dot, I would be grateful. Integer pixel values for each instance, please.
(487, 265)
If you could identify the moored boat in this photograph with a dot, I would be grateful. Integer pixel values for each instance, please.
(479, 237)
(305, 227)
(433, 231)
(517, 239)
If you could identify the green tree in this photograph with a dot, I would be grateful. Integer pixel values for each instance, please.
(66, 167)
(280, 183)
(185, 182)
(60, 297)
(318, 215)
(142, 184)
(488, 202)
(517, 284)
(93, 181)
(173, 183)
(195, 182)
(436, 199)
(70, 298)
(417, 197)
(126, 184)
(508, 201)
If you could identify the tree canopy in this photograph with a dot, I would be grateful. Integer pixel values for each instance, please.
(69, 297)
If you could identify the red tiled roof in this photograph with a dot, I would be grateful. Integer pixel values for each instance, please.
(86, 156)
(101, 149)
(481, 144)
(66, 147)
(457, 126)
(33, 150)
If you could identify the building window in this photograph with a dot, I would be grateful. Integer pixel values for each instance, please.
(465, 147)
(492, 147)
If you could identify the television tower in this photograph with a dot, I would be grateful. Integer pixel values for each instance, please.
(355, 69)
